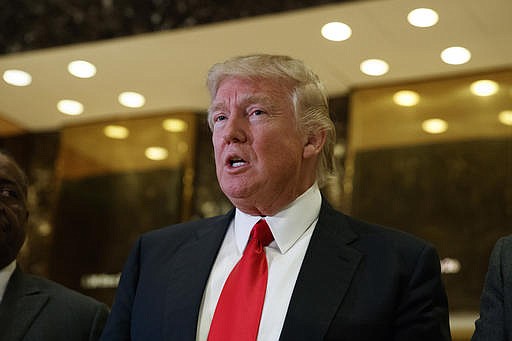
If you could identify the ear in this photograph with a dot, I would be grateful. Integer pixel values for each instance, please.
(314, 144)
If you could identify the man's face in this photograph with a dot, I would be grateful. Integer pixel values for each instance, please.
(259, 152)
(13, 212)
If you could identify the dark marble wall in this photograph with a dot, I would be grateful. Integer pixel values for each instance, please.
(457, 195)
(34, 24)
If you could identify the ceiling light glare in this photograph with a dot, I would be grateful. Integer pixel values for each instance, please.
(131, 99)
(336, 31)
(434, 126)
(116, 132)
(456, 55)
(174, 125)
(17, 77)
(484, 88)
(374, 67)
(70, 107)
(406, 98)
(505, 117)
(423, 17)
(156, 153)
(81, 69)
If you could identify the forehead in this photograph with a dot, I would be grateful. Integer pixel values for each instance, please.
(252, 89)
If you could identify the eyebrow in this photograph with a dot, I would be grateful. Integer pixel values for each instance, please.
(266, 101)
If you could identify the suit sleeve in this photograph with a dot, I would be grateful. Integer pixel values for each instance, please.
(490, 324)
(423, 311)
(119, 322)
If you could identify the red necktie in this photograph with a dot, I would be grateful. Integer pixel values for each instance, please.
(238, 312)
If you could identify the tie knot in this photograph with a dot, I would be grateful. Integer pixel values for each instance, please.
(262, 232)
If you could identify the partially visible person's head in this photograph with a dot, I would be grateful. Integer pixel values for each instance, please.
(13, 209)
(272, 133)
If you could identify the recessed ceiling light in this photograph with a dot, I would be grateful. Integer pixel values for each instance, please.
(81, 69)
(336, 31)
(131, 99)
(174, 125)
(484, 87)
(505, 117)
(70, 107)
(374, 67)
(156, 153)
(116, 132)
(17, 77)
(406, 98)
(434, 126)
(455, 55)
(423, 17)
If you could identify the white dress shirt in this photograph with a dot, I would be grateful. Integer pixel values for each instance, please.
(292, 229)
(5, 275)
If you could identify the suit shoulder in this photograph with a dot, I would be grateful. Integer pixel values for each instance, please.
(63, 294)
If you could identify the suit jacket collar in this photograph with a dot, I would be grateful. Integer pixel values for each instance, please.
(325, 276)
(190, 270)
(23, 301)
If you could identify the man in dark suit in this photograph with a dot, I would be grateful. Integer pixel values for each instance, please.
(495, 321)
(34, 308)
(327, 276)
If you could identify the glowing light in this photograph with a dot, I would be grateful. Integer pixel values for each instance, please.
(156, 153)
(455, 55)
(17, 77)
(131, 99)
(434, 126)
(423, 17)
(484, 88)
(81, 69)
(174, 125)
(374, 67)
(336, 31)
(505, 117)
(70, 107)
(406, 98)
(116, 132)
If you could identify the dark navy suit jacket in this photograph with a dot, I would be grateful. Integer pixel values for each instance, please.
(358, 281)
(495, 322)
(36, 309)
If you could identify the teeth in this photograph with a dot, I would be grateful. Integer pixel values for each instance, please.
(237, 163)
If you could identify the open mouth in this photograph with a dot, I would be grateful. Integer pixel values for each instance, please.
(237, 162)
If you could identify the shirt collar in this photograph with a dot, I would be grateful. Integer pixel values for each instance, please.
(287, 226)
(5, 275)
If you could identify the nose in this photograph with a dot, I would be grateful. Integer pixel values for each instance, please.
(235, 130)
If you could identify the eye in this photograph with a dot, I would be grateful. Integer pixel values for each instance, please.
(257, 112)
(219, 117)
(8, 193)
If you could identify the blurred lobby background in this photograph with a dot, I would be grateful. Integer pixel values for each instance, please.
(424, 141)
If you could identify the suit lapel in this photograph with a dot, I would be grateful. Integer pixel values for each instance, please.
(23, 301)
(189, 274)
(324, 278)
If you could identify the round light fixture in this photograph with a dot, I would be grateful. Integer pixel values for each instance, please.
(423, 17)
(374, 67)
(505, 117)
(174, 125)
(17, 77)
(70, 107)
(336, 31)
(484, 88)
(156, 153)
(455, 55)
(82, 69)
(116, 131)
(406, 98)
(131, 99)
(434, 126)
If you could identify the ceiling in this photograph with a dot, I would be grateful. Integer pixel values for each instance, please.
(169, 67)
